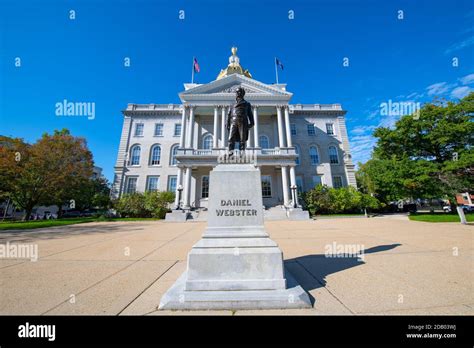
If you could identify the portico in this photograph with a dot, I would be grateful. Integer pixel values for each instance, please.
(193, 155)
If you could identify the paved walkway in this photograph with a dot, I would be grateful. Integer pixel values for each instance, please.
(125, 267)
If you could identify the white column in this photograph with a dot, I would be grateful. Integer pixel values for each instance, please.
(288, 127)
(182, 139)
(223, 126)
(191, 128)
(216, 127)
(284, 181)
(281, 135)
(178, 182)
(187, 187)
(256, 141)
(293, 182)
(250, 139)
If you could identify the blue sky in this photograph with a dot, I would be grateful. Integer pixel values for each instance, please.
(82, 60)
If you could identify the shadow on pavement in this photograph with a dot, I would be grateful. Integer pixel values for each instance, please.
(319, 266)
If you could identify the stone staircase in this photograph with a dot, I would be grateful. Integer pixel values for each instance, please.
(275, 213)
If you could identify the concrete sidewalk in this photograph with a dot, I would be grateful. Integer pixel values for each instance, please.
(125, 267)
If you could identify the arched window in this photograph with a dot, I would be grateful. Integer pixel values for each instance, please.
(207, 142)
(314, 155)
(155, 155)
(264, 142)
(174, 151)
(135, 155)
(297, 150)
(333, 157)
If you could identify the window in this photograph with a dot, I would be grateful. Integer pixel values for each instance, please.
(174, 151)
(158, 129)
(205, 186)
(135, 155)
(131, 186)
(266, 186)
(264, 142)
(139, 130)
(207, 142)
(333, 158)
(330, 128)
(314, 155)
(293, 128)
(311, 130)
(317, 180)
(172, 180)
(152, 183)
(337, 181)
(155, 155)
(299, 183)
(177, 129)
(297, 150)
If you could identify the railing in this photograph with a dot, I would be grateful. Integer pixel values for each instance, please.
(218, 152)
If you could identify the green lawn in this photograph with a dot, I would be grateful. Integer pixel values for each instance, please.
(24, 225)
(441, 217)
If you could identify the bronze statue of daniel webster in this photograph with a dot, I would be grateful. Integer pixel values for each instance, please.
(239, 121)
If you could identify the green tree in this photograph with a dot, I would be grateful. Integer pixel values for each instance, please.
(94, 193)
(148, 204)
(22, 174)
(69, 164)
(423, 157)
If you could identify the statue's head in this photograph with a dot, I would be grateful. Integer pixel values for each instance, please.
(240, 93)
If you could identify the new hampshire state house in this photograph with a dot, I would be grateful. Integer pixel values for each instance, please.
(174, 146)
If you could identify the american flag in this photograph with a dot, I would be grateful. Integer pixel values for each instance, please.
(279, 63)
(196, 66)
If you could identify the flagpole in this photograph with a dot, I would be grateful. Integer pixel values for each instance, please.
(192, 74)
(276, 70)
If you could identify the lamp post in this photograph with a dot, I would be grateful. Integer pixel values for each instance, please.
(180, 189)
(293, 192)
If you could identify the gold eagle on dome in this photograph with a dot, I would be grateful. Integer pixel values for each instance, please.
(234, 66)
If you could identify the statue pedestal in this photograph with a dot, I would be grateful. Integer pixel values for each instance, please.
(235, 265)
(177, 216)
(298, 214)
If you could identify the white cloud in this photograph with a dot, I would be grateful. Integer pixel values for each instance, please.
(362, 129)
(460, 92)
(374, 113)
(468, 79)
(415, 95)
(388, 120)
(460, 45)
(437, 88)
(361, 147)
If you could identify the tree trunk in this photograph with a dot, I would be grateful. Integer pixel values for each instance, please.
(28, 211)
(60, 210)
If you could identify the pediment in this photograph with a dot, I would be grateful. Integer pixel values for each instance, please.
(248, 89)
(229, 84)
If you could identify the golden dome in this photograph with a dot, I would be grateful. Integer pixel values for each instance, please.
(234, 66)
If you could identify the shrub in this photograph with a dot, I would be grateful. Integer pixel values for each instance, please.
(156, 203)
(132, 205)
(148, 204)
(325, 200)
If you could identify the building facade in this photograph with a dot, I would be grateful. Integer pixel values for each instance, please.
(171, 146)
